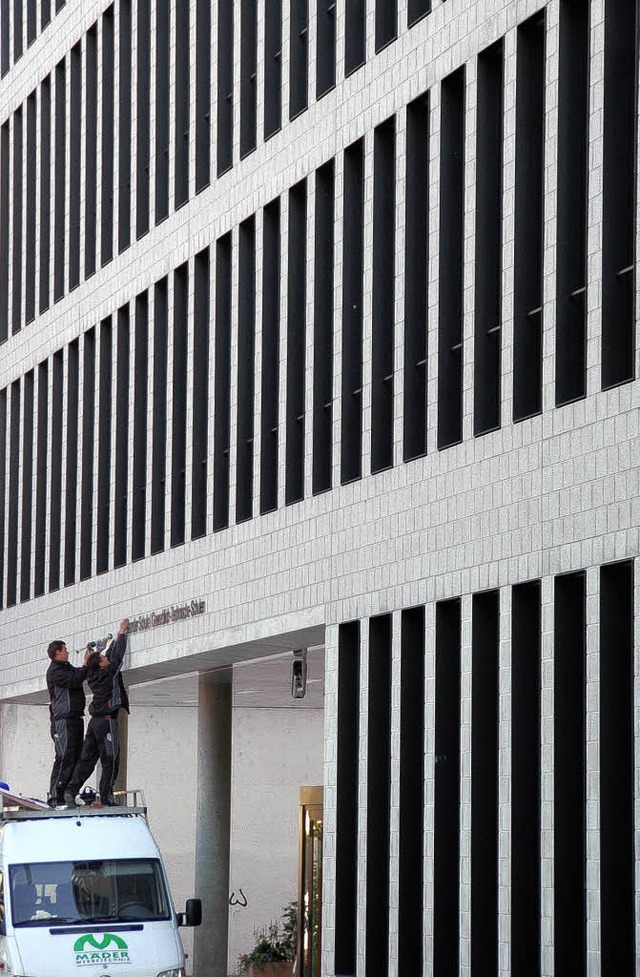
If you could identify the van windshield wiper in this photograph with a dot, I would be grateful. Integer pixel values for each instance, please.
(98, 919)
(47, 920)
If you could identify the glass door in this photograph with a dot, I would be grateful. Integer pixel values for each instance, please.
(310, 883)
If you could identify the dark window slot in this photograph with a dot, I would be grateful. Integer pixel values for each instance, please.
(203, 94)
(325, 47)
(569, 776)
(383, 299)
(105, 414)
(45, 13)
(27, 488)
(45, 194)
(32, 27)
(124, 132)
(296, 342)
(529, 201)
(182, 96)
(120, 507)
(446, 841)
(299, 57)
(222, 419)
(412, 793)
(88, 440)
(354, 39)
(42, 467)
(248, 68)
(5, 37)
(91, 136)
(159, 448)
(16, 299)
(488, 283)
(14, 493)
(272, 67)
(179, 394)
(71, 475)
(75, 151)
(162, 110)
(30, 212)
(5, 145)
(108, 129)
(352, 299)
(143, 121)
(386, 23)
(140, 409)
(451, 260)
(484, 783)
(571, 270)
(417, 9)
(619, 193)
(3, 485)
(323, 327)
(18, 44)
(225, 86)
(200, 425)
(347, 797)
(525, 778)
(415, 280)
(378, 796)
(270, 376)
(617, 769)
(55, 473)
(246, 368)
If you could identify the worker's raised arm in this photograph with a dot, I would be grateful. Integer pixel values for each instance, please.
(116, 652)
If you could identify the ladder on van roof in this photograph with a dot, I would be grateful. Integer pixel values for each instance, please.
(17, 807)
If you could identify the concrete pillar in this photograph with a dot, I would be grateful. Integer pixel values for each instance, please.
(213, 826)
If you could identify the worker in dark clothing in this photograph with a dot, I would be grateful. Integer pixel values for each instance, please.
(66, 710)
(101, 740)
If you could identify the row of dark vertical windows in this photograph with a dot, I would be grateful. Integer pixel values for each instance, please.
(155, 23)
(616, 772)
(94, 493)
(21, 21)
(56, 264)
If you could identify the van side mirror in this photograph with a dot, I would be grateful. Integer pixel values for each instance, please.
(192, 916)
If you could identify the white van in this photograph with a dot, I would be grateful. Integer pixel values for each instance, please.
(84, 892)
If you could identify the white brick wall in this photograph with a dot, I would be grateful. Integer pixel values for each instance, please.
(555, 493)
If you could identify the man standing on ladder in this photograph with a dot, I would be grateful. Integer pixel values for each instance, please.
(101, 741)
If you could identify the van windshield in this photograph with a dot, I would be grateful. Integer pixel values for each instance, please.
(79, 892)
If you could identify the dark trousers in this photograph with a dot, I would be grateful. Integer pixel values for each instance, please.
(67, 741)
(100, 743)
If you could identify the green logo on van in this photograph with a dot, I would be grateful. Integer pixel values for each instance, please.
(105, 949)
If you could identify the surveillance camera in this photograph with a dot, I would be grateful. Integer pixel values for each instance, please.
(299, 674)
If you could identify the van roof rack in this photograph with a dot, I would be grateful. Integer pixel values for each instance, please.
(17, 807)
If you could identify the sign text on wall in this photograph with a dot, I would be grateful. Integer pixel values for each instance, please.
(179, 612)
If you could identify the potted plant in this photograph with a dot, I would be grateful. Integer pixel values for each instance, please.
(275, 948)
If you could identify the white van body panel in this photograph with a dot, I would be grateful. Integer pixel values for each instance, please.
(135, 947)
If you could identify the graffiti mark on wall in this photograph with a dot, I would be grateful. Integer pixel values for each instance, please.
(238, 900)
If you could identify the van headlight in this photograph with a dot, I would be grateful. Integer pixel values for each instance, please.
(174, 972)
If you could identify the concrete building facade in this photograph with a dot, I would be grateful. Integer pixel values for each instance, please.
(318, 330)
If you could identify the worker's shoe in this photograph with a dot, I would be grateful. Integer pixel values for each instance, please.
(70, 799)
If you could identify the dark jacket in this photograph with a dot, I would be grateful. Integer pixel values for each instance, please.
(66, 695)
(109, 693)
